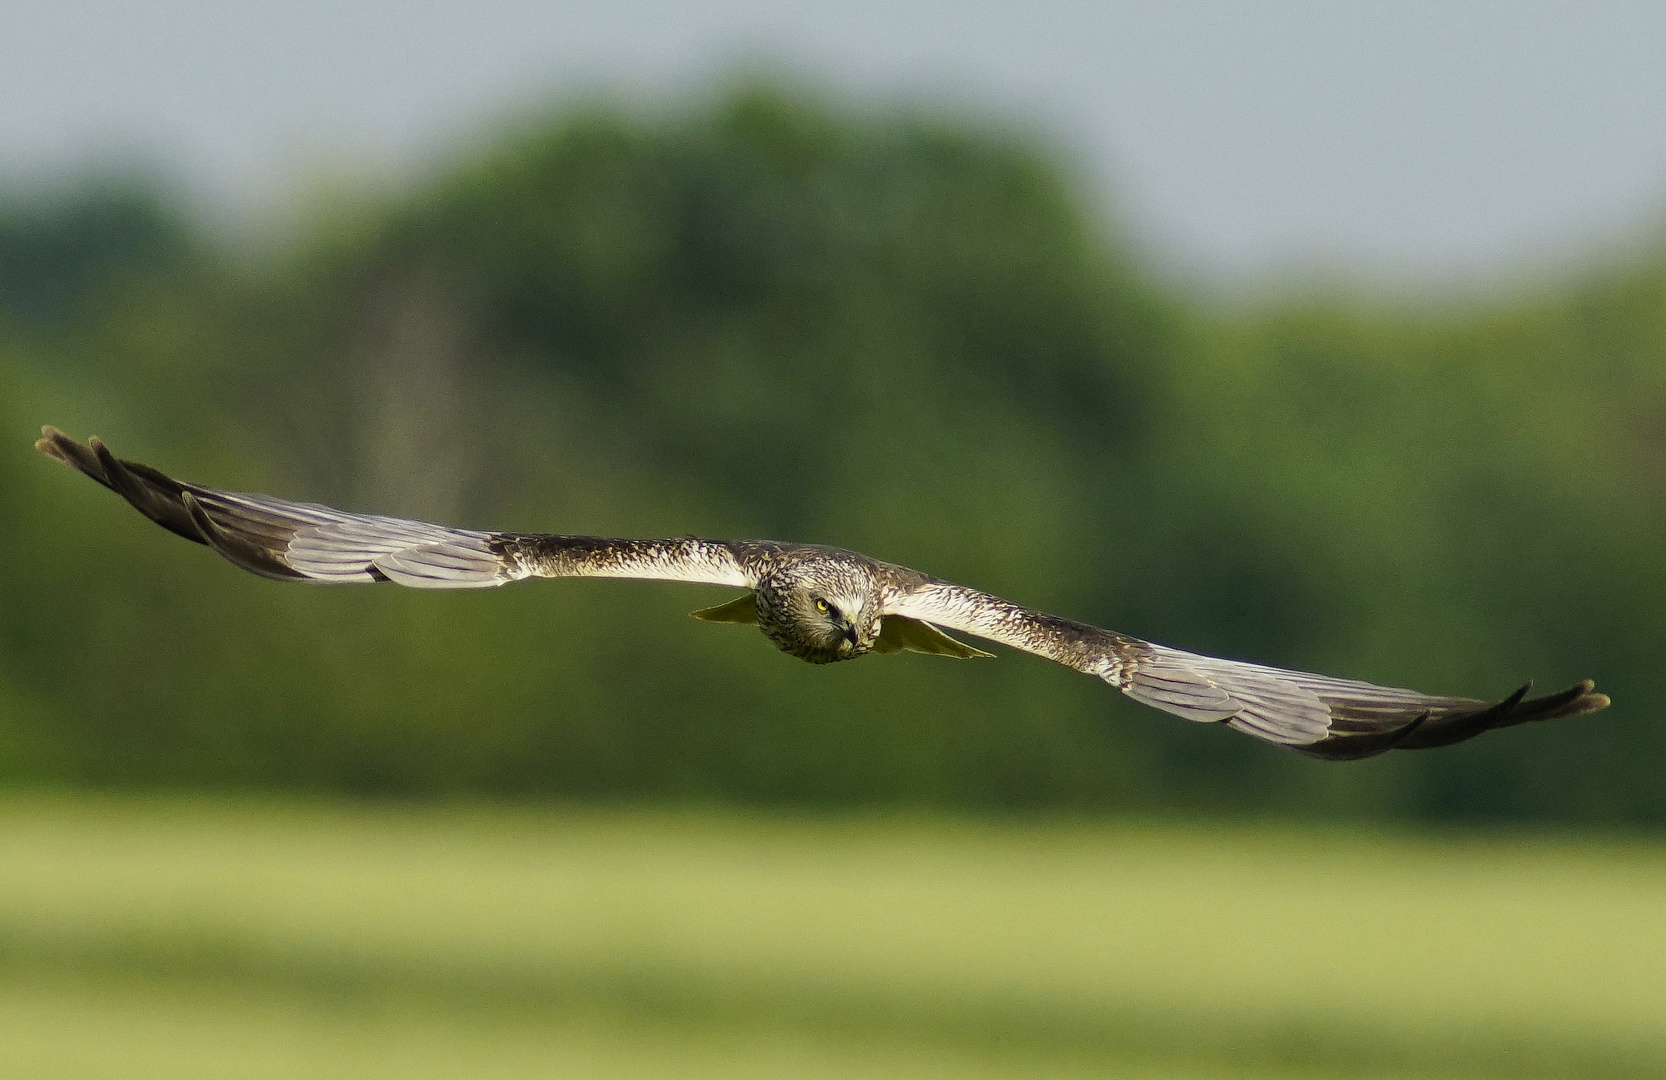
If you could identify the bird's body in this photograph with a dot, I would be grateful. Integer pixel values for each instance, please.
(819, 604)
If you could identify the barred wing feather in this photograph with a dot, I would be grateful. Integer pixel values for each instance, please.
(1319, 715)
(298, 541)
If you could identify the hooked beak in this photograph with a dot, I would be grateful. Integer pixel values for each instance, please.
(850, 634)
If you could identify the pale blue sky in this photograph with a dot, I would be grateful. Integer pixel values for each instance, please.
(1417, 139)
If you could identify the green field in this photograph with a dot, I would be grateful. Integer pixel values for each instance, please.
(189, 939)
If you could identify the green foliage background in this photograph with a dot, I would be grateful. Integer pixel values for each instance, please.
(772, 317)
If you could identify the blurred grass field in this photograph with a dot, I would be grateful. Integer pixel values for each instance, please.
(192, 938)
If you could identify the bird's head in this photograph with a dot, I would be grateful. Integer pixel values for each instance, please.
(822, 612)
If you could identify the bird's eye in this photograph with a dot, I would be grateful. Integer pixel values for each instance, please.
(822, 606)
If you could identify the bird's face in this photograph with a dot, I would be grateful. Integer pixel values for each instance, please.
(843, 622)
(820, 609)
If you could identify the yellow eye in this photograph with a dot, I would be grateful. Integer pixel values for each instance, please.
(821, 605)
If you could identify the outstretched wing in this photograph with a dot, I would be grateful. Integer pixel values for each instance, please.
(1315, 714)
(293, 541)
(1339, 719)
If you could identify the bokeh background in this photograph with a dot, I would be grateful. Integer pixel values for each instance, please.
(1327, 336)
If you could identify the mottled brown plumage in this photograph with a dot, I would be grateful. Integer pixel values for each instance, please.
(819, 604)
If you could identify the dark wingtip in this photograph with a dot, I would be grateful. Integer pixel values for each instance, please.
(166, 501)
(148, 491)
(1582, 699)
(1431, 730)
(1515, 709)
(1576, 700)
(65, 450)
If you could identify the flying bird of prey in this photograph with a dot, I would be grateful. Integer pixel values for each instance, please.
(819, 604)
